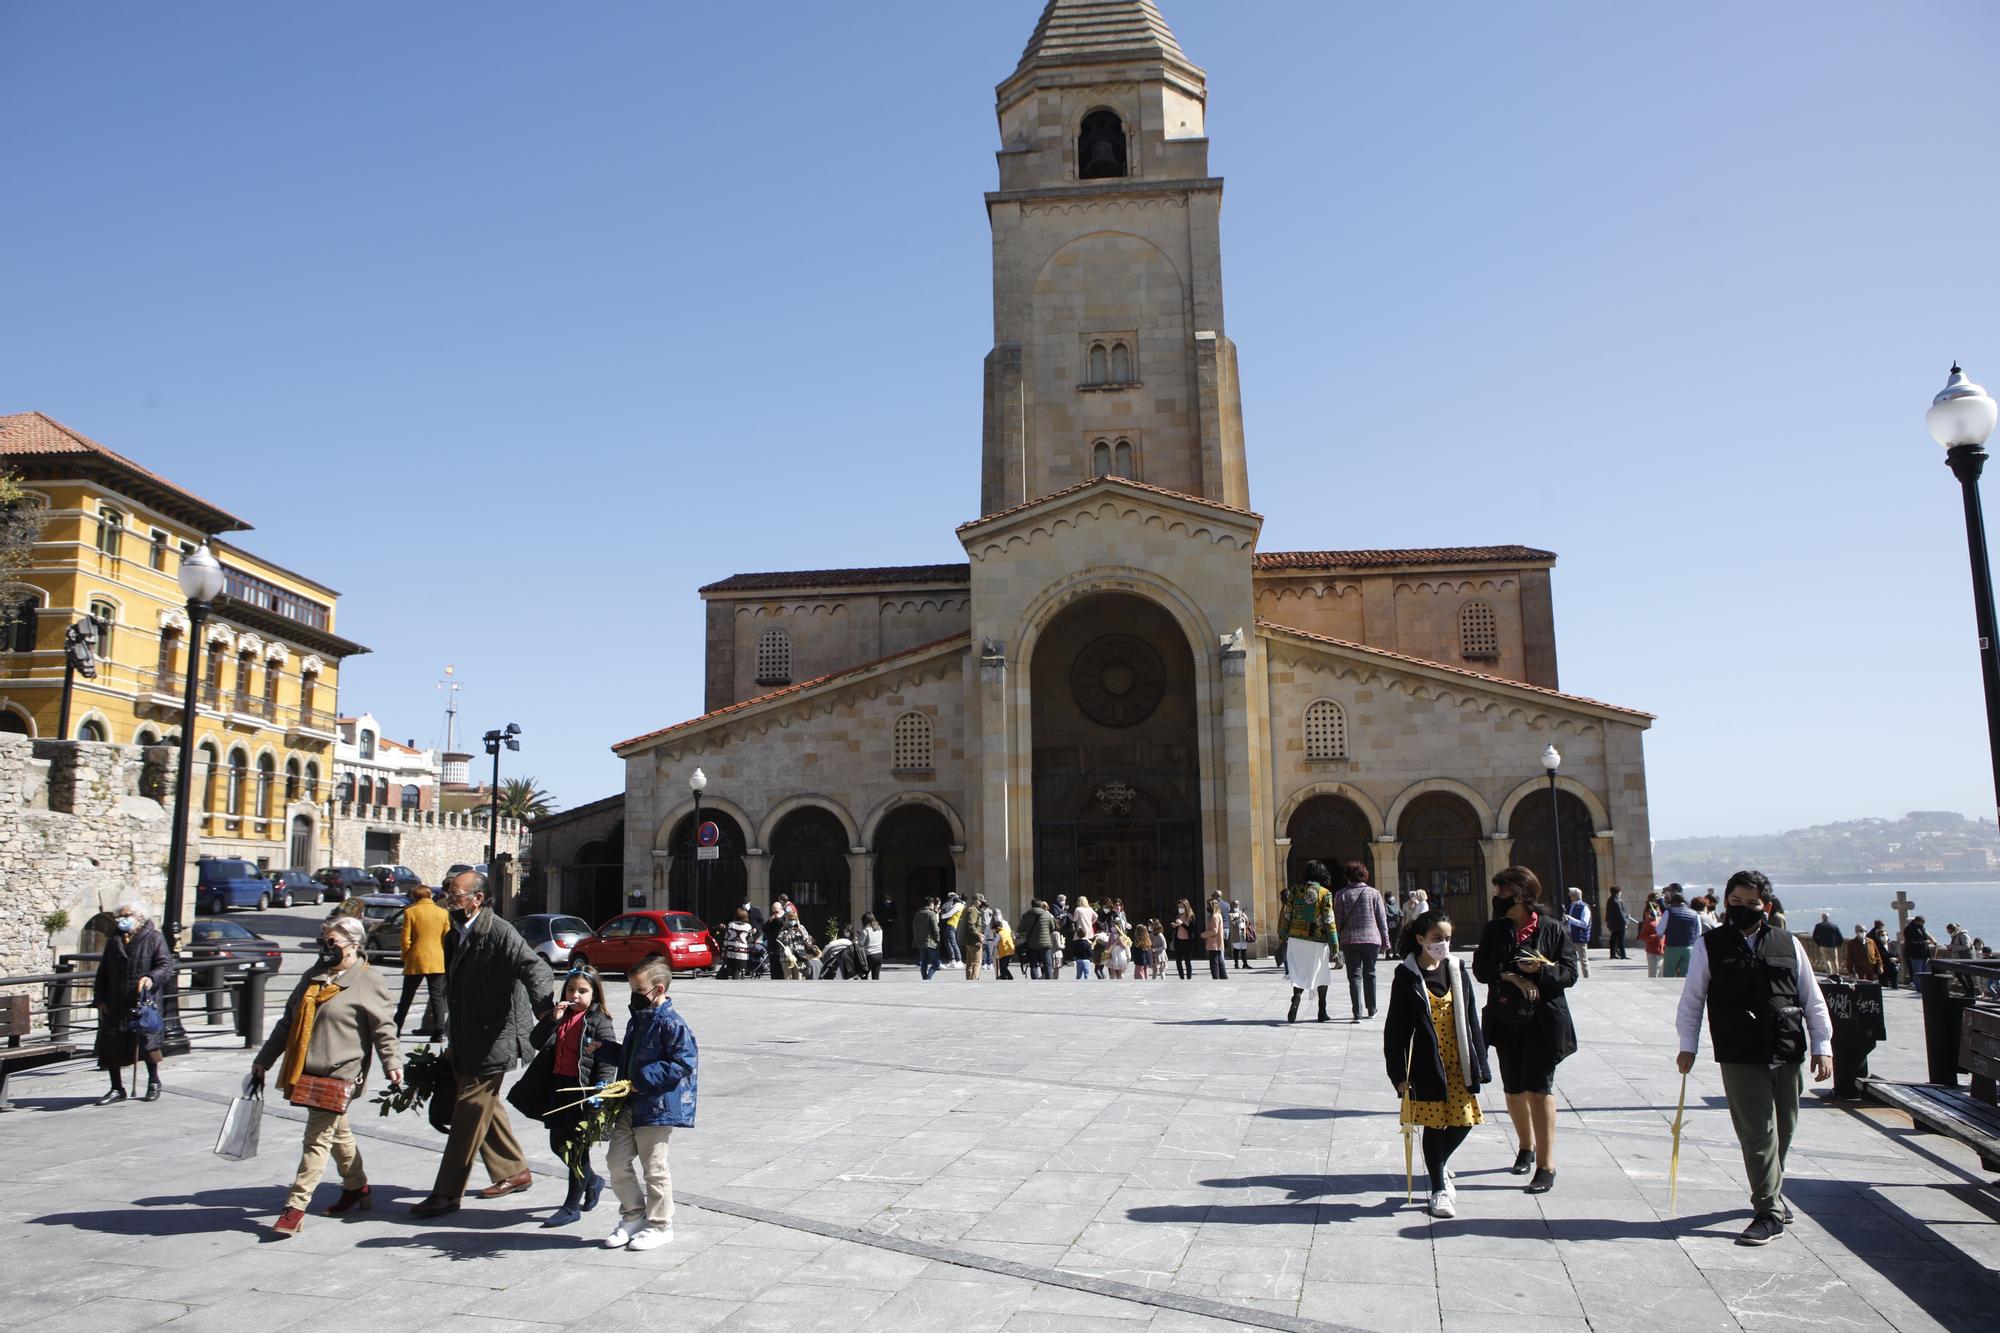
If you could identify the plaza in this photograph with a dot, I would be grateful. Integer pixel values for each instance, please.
(1014, 1156)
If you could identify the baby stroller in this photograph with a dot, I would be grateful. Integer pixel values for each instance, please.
(841, 958)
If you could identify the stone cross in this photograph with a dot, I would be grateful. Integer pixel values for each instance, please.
(1903, 906)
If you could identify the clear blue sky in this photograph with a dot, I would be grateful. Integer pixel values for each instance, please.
(517, 322)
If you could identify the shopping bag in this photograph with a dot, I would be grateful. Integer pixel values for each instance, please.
(242, 1124)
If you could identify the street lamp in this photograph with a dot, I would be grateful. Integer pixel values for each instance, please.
(1552, 760)
(201, 584)
(697, 783)
(1960, 418)
(497, 740)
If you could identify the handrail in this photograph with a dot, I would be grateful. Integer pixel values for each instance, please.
(240, 1002)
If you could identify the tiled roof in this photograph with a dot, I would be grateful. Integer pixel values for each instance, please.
(32, 434)
(1424, 555)
(1480, 676)
(1076, 30)
(844, 578)
(1114, 483)
(799, 688)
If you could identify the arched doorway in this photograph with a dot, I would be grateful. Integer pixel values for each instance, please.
(809, 865)
(1439, 833)
(912, 862)
(302, 843)
(1117, 766)
(1330, 829)
(1529, 827)
(712, 890)
(13, 724)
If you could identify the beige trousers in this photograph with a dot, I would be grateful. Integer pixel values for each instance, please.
(326, 1132)
(974, 956)
(636, 1158)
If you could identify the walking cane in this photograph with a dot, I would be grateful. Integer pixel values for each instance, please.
(1409, 1128)
(1674, 1163)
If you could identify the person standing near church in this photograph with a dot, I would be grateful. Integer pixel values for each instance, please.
(1651, 942)
(1579, 929)
(496, 987)
(1681, 929)
(1615, 921)
(924, 932)
(1361, 920)
(1765, 1016)
(1827, 939)
(1305, 923)
(1528, 961)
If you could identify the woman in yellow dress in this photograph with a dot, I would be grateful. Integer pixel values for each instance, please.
(1434, 1047)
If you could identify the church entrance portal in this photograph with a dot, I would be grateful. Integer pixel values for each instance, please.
(809, 866)
(1116, 757)
(912, 862)
(1529, 828)
(1331, 829)
(712, 890)
(1440, 855)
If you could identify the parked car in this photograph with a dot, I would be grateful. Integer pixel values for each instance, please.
(339, 882)
(382, 914)
(216, 937)
(678, 937)
(292, 886)
(552, 936)
(395, 879)
(223, 882)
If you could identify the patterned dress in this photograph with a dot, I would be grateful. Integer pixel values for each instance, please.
(1306, 917)
(1459, 1107)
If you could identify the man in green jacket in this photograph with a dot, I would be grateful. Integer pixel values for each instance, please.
(1038, 939)
(924, 931)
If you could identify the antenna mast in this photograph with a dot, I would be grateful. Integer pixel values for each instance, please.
(450, 685)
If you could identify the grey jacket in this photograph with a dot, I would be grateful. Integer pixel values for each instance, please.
(497, 987)
(344, 1027)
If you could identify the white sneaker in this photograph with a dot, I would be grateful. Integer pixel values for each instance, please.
(621, 1236)
(652, 1238)
(1443, 1204)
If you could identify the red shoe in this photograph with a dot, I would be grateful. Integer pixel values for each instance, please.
(289, 1222)
(349, 1200)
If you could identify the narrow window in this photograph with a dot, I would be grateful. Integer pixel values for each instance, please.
(312, 780)
(170, 639)
(345, 789)
(267, 773)
(1326, 730)
(158, 555)
(774, 657)
(245, 701)
(110, 531)
(1478, 631)
(239, 774)
(210, 761)
(1121, 364)
(1100, 147)
(367, 744)
(308, 686)
(105, 614)
(291, 781)
(274, 672)
(911, 749)
(18, 624)
(1122, 460)
(1098, 372)
(1100, 459)
(410, 796)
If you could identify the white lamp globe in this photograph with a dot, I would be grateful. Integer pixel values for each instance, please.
(699, 782)
(201, 575)
(1552, 759)
(1962, 413)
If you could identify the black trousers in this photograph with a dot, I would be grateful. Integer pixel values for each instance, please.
(1618, 940)
(1439, 1145)
(1184, 959)
(434, 1004)
(1216, 971)
(1360, 960)
(562, 1127)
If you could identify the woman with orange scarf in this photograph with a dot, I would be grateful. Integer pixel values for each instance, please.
(340, 1010)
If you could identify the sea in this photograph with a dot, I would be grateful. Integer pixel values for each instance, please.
(1976, 906)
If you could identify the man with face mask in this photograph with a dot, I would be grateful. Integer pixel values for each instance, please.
(1764, 1011)
(495, 989)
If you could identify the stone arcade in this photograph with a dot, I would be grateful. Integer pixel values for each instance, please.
(1119, 695)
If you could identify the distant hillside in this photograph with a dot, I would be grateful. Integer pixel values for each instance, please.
(1922, 844)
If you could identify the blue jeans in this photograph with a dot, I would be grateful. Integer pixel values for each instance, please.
(950, 951)
(1083, 969)
(927, 960)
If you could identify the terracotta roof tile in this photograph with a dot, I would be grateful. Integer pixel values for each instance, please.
(1480, 676)
(843, 578)
(32, 434)
(1114, 482)
(799, 688)
(1423, 555)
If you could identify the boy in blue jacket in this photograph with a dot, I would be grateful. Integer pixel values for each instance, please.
(660, 1061)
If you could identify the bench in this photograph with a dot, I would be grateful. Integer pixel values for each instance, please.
(24, 1048)
(1969, 1115)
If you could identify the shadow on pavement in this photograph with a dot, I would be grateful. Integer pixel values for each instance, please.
(1311, 1113)
(246, 1208)
(1218, 1022)
(1909, 1253)
(482, 1243)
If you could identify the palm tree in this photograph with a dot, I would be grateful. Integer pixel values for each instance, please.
(520, 798)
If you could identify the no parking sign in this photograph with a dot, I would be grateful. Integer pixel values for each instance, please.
(706, 840)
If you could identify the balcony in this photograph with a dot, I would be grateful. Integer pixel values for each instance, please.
(308, 724)
(252, 706)
(163, 689)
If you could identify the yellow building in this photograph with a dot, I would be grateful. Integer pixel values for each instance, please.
(111, 546)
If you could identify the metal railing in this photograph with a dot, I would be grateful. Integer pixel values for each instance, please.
(251, 704)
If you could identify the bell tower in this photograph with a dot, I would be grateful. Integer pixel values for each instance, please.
(1110, 354)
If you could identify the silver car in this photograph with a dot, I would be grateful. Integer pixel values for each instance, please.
(552, 935)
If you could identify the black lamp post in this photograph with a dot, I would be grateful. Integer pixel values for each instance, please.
(697, 880)
(1960, 418)
(496, 741)
(201, 582)
(1552, 760)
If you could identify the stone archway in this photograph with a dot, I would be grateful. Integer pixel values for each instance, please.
(1332, 829)
(913, 862)
(1116, 755)
(1439, 852)
(1530, 826)
(809, 865)
(711, 889)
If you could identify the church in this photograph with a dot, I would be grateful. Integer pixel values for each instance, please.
(1119, 694)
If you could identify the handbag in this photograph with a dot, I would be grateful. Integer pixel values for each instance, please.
(321, 1093)
(242, 1123)
(146, 1019)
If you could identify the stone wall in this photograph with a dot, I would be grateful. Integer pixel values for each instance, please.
(427, 841)
(82, 829)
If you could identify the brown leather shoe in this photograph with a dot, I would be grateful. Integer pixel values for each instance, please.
(289, 1222)
(433, 1207)
(500, 1189)
(349, 1200)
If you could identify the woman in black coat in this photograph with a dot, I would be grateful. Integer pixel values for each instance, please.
(1527, 1014)
(576, 1046)
(134, 967)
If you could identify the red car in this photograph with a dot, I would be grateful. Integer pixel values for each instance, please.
(678, 937)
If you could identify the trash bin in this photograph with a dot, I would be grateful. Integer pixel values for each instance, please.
(1856, 1010)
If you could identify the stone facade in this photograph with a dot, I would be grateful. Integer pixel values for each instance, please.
(82, 829)
(1118, 693)
(427, 841)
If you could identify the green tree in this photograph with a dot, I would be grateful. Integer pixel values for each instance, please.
(20, 526)
(520, 798)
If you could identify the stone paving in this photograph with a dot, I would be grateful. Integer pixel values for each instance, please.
(1025, 1155)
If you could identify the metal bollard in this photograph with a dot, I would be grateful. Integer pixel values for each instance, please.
(215, 982)
(59, 1000)
(250, 1007)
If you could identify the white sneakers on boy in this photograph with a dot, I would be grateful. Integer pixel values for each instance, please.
(652, 1238)
(621, 1236)
(1444, 1203)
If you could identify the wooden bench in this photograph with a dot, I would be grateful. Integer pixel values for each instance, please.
(25, 1049)
(1968, 1115)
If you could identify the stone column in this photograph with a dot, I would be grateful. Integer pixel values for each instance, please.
(860, 881)
(1388, 865)
(1264, 915)
(1002, 875)
(656, 890)
(757, 876)
(1234, 776)
(1498, 854)
(1601, 845)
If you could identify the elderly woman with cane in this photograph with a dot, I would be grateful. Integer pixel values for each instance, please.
(134, 971)
(339, 1013)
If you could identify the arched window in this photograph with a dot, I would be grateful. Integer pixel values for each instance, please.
(1478, 631)
(1100, 459)
(291, 781)
(911, 752)
(367, 744)
(106, 615)
(92, 730)
(411, 796)
(381, 791)
(19, 613)
(210, 762)
(110, 530)
(1326, 730)
(239, 777)
(267, 774)
(312, 780)
(774, 657)
(1100, 147)
(1121, 460)
(345, 789)
(1099, 369)
(1121, 364)
(145, 736)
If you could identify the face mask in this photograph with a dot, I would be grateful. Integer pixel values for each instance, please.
(1502, 906)
(1746, 918)
(127, 924)
(460, 914)
(329, 954)
(1438, 949)
(641, 1003)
